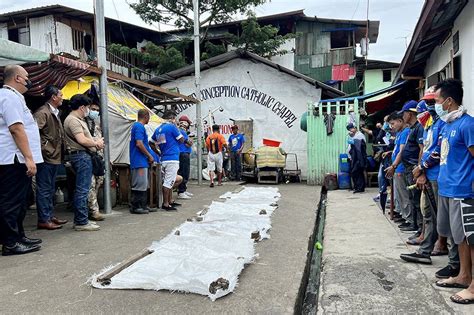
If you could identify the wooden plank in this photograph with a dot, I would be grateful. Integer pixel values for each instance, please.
(106, 278)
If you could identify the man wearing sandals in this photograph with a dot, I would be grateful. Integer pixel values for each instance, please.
(167, 138)
(456, 182)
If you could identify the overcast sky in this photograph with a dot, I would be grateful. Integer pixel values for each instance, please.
(397, 17)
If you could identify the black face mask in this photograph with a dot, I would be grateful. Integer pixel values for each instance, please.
(28, 84)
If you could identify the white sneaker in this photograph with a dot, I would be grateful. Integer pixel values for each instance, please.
(183, 196)
(87, 227)
(188, 193)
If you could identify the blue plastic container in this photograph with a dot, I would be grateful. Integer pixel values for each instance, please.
(344, 165)
(344, 180)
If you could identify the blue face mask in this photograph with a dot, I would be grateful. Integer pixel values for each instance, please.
(386, 126)
(93, 114)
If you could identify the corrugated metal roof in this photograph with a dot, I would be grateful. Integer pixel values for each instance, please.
(223, 58)
(435, 22)
(60, 9)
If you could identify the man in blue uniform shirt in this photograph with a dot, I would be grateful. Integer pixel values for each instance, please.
(456, 182)
(141, 156)
(236, 144)
(167, 137)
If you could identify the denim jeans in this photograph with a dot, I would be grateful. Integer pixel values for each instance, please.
(184, 170)
(82, 165)
(45, 189)
(236, 165)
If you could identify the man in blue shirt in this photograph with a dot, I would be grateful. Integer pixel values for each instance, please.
(456, 183)
(426, 174)
(397, 170)
(236, 145)
(168, 138)
(411, 157)
(141, 156)
(185, 149)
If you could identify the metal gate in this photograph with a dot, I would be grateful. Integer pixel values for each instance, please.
(323, 149)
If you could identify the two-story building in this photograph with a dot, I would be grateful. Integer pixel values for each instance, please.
(325, 49)
(58, 29)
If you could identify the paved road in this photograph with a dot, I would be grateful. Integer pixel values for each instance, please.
(362, 271)
(53, 280)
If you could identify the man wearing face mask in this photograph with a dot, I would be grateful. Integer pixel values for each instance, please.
(426, 174)
(20, 150)
(78, 140)
(93, 123)
(456, 183)
(52, 134)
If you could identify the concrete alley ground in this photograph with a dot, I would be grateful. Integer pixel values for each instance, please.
(53, 280)
(362, 270)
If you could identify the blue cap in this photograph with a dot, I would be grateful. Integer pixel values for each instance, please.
(350, 126)
(409, 106)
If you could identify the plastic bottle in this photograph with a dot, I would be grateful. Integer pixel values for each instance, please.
(59, 196)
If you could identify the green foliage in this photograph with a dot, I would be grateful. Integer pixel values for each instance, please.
(261, 40)
(156, 59)
(212, 50)
(179, 12)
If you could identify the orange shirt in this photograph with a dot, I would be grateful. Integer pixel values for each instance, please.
(215, 142)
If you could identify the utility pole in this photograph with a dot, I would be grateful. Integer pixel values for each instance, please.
(104, 108)
(197, 77)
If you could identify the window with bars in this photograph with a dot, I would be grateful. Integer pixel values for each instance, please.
(77, 39)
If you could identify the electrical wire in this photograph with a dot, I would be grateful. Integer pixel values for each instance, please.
(355, 11)
(120, 23)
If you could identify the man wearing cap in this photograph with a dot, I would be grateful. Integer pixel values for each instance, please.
(411, 158)
(236, 144)
(185, 149)
(426, 174)
(358, 155)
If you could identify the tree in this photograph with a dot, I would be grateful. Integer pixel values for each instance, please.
(261, 40)
(180, 12)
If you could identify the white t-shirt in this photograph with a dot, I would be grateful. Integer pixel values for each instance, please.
(13, 110)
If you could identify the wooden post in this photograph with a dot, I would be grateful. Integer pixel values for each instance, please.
(392, 200)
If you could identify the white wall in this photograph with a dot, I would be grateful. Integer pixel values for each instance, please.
(292, 92)
(3, 30)
(50, 36)
(441, 55)
(286, 60)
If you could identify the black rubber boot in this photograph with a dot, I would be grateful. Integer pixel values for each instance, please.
(136, 207)
(144, 202)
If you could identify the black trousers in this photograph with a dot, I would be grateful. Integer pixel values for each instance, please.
(184, 170)
(236, 165)
(358, 178)
(14, 188)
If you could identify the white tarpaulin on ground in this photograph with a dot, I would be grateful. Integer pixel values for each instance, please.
(205, 257)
